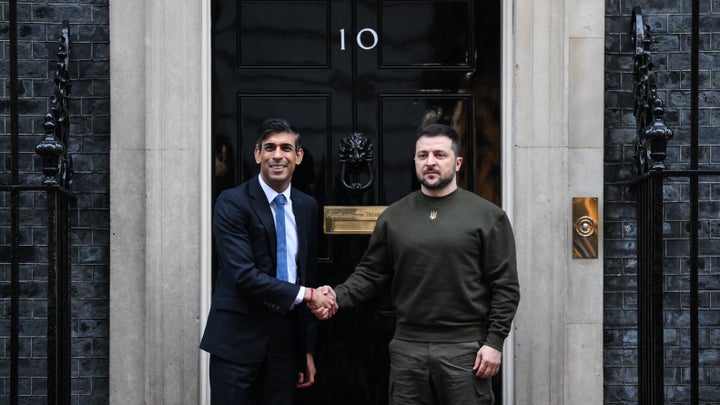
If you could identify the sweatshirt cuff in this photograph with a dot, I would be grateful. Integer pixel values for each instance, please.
(341, 297)
(495, 341)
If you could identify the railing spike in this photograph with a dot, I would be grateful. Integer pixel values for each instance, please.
(653, 134)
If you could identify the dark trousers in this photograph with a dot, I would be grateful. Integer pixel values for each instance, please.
(268, 382)
(423, 373)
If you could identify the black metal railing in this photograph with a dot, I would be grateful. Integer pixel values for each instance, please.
(653, 237)
(59, 200)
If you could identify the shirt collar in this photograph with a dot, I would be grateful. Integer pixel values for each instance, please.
(270, 194)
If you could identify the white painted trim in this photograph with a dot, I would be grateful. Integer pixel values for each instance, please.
(508, 173)
(205, 196)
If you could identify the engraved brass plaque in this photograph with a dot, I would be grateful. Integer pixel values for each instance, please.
(351, 219)
(585, 227)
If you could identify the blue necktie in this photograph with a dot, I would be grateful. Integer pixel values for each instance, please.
(282, 271)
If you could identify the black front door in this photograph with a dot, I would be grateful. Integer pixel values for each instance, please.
(377, 69)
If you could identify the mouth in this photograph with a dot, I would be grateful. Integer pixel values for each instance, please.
(277, 167)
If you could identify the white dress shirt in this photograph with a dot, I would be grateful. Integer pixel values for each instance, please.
(291, 237)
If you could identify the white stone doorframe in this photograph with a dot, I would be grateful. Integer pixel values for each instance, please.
(206, 212)
(507, 161)
(553, 58)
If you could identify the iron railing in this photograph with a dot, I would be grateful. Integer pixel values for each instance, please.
(652, 237)
(59, 199)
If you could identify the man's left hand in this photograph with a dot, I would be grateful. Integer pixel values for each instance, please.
(305, 381)
(487, 362)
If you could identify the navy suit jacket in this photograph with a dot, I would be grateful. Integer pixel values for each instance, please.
(246, 292)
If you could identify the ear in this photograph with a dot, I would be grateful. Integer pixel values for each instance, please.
(458, 163)
(257, 155)
(300, 153)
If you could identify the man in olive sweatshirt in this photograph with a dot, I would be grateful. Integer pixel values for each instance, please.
(451, 257)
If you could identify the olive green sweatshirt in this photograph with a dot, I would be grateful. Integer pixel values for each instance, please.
(453, 269)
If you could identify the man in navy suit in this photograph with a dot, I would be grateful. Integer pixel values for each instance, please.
(260, 333)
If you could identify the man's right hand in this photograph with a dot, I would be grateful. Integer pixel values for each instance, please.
(323, 303)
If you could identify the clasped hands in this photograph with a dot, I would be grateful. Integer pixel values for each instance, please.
(323, 304)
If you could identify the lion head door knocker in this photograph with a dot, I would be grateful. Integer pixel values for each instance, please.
(356, 156)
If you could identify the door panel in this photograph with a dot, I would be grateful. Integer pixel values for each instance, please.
(383, 69)
(427, 34)
(400, 112)
(277, 34)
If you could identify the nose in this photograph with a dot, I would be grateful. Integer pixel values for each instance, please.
(277, 153)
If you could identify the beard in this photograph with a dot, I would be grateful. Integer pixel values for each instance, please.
(440, 183)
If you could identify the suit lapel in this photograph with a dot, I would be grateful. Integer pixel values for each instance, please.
(262, 209)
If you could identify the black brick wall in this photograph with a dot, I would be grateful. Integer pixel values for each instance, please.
(38, 27)
(670, 22)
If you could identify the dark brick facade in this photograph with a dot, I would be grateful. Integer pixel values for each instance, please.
(39, 24)
(670, 22)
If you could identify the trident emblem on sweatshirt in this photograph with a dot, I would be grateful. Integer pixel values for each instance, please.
(433, 215)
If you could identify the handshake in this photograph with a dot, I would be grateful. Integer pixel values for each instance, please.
(322, 302)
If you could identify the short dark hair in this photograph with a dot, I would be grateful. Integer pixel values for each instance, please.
(442, 130)
(275, 126)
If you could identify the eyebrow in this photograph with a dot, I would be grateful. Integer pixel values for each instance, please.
(278, 144)
(432, 150)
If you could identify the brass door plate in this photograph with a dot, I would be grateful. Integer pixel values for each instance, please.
(351, 219)
(585, 227)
